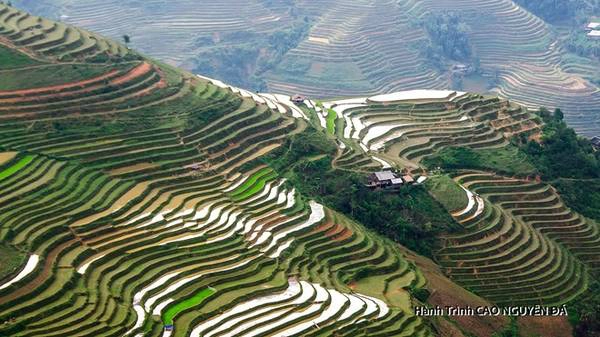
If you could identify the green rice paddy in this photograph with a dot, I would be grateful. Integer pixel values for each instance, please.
(190, 302)
(331, 117)
(254, 184)
(15, 168)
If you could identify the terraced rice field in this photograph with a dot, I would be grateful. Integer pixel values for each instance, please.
(143, 205)
(401, 129)
(52, 39)
(123, 264)
(520, 244)
(184, 30)
(137, 204)
(16, 167)
(526, 53)
(189, 303)
(361, 47)
(371, 48)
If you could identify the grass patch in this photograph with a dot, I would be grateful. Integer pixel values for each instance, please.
(190, 302)
(508, 160)
(10, 260)
(447, 192)
(15, 168)
(331, 117)
(10, 58)
(53, 75)
(583, 196)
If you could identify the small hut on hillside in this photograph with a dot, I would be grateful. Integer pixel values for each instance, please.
(388, 180)
(297, 99)
(381, 179)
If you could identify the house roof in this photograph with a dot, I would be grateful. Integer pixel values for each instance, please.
(594, 33)
(596, 141)
(408, 179)
(298, 98)
(385, 175)
(397, 181)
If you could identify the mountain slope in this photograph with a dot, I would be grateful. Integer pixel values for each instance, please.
(136, 195)
(357, 47)
(137, 198)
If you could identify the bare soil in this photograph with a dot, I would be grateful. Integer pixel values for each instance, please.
(545, 326)
(136, 72)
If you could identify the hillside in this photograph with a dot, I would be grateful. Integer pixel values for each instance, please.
(142, 200)
(338, 48)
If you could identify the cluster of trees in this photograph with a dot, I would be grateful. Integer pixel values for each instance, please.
(584, 313)
(561, 153)
(583, 196)
(245, 56)
(280, 42)
(579, 43)
(235, 64)
(448, 39)
(553, 10)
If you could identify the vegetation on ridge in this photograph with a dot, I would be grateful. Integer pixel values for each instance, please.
(553, 10)
(10, 58)
(410, 217)
(10, 260)
(508, 160)
(449, 39)
(561, 152)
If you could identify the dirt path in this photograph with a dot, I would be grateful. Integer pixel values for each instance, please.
(545, 326)
(177, 95)
(36, 99)
(136, 72)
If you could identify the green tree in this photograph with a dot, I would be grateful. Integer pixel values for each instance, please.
(553, 10)
(559, 115)
(561, 152)
(449, 39)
